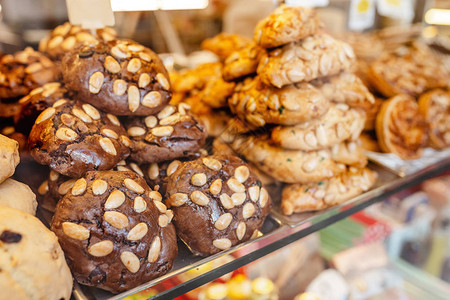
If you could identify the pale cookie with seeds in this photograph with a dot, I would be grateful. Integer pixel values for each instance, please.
(168, 135)
(66, 37)
(24, 71)
(286, 24)
(242, 62)
(313, 57)
(258, 104)
(73, 138)
(435, 108)
(119, 77)
(292, 166)
(114, 235)
(9, 157)
(37, 101)
(337, 125)
(401, 129)
(407, 70)
(345, 88)
(297, 198)
(31, 260)
(224, 44)
(217, 203)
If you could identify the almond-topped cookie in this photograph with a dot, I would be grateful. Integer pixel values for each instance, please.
(286, 24)
(170, 134)
(258, 103)
(119, 77)
(217, 203)
(224, 44)
(337, 125)
(115, 231)
(400, 127)
(407, 70)
(24, 71)
(435, 108)
(66, 37)
(298, 198)
(73, 138)
(315, 56)
(242, 62)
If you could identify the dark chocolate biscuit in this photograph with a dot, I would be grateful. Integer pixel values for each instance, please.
(114, 232)
(24, 71)
(35, 102)
(120, 77)
(73, 138)
(217, 203)
(168, 135)
(66, 37)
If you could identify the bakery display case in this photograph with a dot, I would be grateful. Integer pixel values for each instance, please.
(158, 173)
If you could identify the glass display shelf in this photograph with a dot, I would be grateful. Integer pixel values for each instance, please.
(278, 231)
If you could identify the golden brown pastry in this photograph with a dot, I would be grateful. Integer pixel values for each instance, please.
(400, 127)
(408, 70)
(337, 125)
(368, 142)
(435, 108)
(313, 57)
(259, 104)
(286, 24)
(346, 88)
(242, 62)
(298, 198)
(224, 44)
(371, 113)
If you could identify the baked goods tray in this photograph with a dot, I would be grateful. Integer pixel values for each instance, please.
(406, 167)
(277, 232)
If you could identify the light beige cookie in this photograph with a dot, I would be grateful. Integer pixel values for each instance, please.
(242, 62)
(224, 44)
(18, 195)
(258, 104)
(349, 153)
(290, 166)
(435, 108)
(346, 88)
(32, 263)
(286, 24)
(407, 70)
(316, 56)
(298, 198)
(337, 125)
(9, 157)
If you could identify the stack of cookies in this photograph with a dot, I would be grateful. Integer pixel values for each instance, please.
(302, 108)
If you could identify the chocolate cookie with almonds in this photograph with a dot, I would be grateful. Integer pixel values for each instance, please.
(165, 136)
(35, 102)
(258, 104)
(119, 77)
(73, 138)
(66, 37)
(24, 71)
(217, 203)
(242, 62)
(313, 57)
(337, 125)
(297, 198)
(286, 24)
(224, 44)
(435, 108)
(115, 232)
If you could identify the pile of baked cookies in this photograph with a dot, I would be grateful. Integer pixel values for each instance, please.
(128, 171)
(300, 109)
(412, 97)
